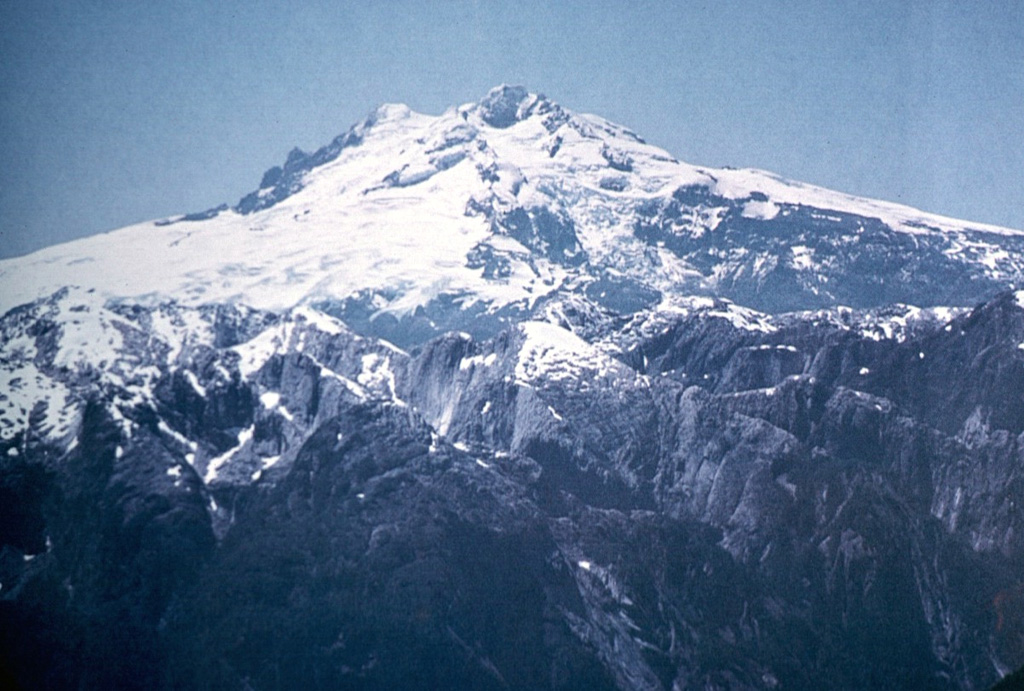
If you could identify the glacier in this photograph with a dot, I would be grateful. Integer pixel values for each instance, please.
(508, 398)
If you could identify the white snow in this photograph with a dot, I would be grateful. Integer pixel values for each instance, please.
(354, 388)
(478, 361)
(742, 183)
(255, 353)
(406, 241)
(359, 233)
(179, 328)
(897, 325)
(90, 339)
(349, 231)
(744, 318)
(181, 439)
(215, 464)
(271, 400)
(23, 388)
(763, 210)
(768, 346)
(191, 377)
(552, 353)
(378, 376)
(803, 258)
(323, 322)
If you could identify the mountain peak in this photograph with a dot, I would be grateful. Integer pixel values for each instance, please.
(471, 219)
(390, 111)
(503, 106)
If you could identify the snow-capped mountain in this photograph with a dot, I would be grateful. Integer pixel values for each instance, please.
(411, 225)
(507, 398)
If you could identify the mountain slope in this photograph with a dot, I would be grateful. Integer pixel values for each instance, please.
(581, 466)
(410, 225)
(708, 496)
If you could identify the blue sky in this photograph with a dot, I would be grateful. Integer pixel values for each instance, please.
(113, 113)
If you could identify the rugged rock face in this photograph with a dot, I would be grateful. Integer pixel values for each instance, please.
(471, 401)
(702, 496)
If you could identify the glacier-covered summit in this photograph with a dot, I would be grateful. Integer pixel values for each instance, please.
(507, 398)
(408, 225)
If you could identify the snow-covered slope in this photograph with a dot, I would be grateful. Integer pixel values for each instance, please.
(490, 207)
(610, 459)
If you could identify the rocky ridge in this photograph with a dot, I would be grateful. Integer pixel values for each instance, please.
(703, 496)
(591, 418)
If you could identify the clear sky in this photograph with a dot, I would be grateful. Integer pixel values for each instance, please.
(114, 112)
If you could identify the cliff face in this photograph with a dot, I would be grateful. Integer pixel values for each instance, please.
(702, 496)
(508, 398)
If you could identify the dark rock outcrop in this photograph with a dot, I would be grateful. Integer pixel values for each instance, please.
(702, 498)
